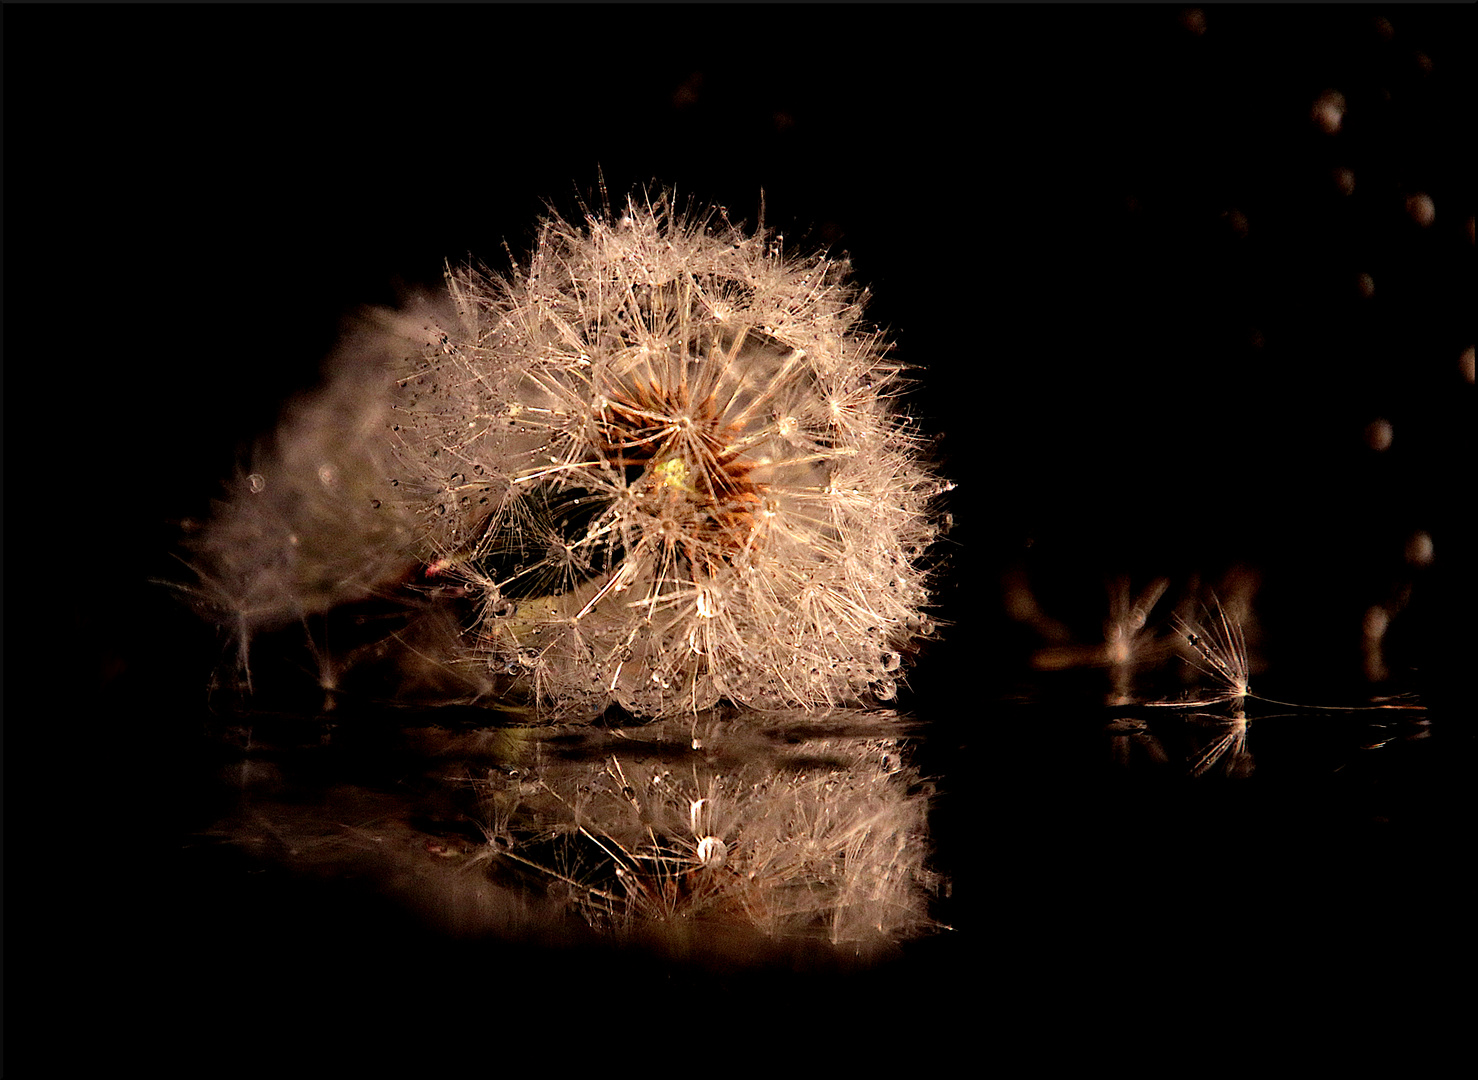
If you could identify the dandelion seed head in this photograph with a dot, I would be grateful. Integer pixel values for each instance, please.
(686, 435)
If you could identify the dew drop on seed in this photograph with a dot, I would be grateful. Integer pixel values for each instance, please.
(712, 852)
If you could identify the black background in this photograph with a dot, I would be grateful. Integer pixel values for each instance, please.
(1045, 203)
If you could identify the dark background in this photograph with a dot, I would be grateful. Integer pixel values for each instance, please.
(1111, 240)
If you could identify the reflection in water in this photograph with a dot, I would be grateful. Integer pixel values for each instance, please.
(1202, 727)
(721, 833)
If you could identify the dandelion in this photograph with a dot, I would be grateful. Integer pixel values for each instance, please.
(303, 529)
(663, 465)
(667, 464)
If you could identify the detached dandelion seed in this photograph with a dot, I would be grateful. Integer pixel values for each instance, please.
(1218, 650)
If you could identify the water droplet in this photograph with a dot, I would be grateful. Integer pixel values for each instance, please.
(712, 852)
(1421, 209)
(1378, 434)
(1328, 111)
(1419, 549)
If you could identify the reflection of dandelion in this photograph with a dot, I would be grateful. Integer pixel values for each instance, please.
(1213, 642)
(1226, 745)
(828, 841)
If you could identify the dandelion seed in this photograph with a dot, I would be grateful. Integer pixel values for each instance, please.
(1219, 650)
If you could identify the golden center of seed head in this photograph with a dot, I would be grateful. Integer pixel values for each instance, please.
(694, 480)
(673, 473)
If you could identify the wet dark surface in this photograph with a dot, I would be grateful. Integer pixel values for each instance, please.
(1080, 864)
